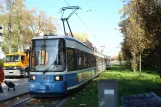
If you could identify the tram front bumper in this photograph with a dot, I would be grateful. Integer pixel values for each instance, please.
(47, 87)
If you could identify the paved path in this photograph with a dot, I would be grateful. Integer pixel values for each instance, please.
(21, 88)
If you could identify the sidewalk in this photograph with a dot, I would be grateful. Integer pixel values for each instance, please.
(20, 88)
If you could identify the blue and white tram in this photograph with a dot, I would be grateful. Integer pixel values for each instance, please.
(59, 64)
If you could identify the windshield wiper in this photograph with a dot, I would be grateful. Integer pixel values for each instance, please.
(48, 68)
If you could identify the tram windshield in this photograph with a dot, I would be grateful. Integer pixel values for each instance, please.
(48, 55)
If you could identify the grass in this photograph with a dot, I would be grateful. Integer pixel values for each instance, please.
(130, 83)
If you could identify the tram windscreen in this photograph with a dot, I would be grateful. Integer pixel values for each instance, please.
(48, 55)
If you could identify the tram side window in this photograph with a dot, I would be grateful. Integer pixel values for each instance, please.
(100, 62)
(70, 59)
(87, 60)
(79, 59)
(91, 60)
(94, 61)
(84, 60)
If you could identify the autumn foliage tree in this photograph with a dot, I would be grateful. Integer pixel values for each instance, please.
(80, 36)
(140, 26)
(21, 24)
(135, 41)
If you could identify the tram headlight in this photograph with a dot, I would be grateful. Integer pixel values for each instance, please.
(58, 78)
(32, 77)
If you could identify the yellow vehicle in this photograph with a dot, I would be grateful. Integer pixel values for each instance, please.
(16, 64)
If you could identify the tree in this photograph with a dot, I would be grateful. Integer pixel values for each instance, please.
(120, 57)
(135, 40)
(144, 17)
(38, 22)
(150, 12)
(80, 36)
(21, 24)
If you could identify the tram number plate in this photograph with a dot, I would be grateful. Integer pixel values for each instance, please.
(10, 72)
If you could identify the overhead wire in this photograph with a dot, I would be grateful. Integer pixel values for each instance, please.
(84, 23)
(87, 27)
(66, 2)
(88, 6)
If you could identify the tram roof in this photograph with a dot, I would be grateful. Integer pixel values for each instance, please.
(58, 37)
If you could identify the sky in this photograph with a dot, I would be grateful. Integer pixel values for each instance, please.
(100, 17)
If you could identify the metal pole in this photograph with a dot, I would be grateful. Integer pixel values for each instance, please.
(63, 19)
(69, 28)
(64, 26)
(140, 64)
